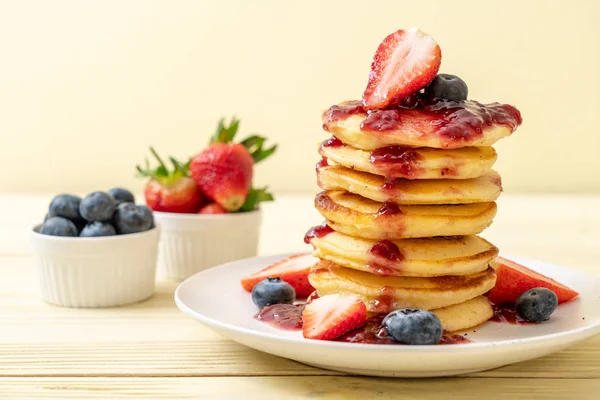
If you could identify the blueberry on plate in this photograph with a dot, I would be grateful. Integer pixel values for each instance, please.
(97, 228)
(448, 87)
(537, 304)
(58, 226)
(97, 206)
(66, 206)
(121, 195)
(410, 326)
(130, 218)
(273, 291)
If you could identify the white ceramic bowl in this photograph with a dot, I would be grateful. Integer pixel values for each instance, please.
(96, 272)
(190, 243)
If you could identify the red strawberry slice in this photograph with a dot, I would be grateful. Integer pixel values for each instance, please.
(405, 62)
(513, 279)
(331, 316)
(293, 270)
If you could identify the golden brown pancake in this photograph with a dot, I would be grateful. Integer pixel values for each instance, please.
(445, 125)
(465, 315)
(357, 216)
(386, 294)
(486, 188)
(413, 163)
(428, 257)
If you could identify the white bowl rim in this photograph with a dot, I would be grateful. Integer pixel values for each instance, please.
(196, 216)
(127, 236)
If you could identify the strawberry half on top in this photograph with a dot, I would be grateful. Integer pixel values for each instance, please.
(293, 270)
(329, 317)
(224, 169)
(514, 279)
(405, 62)
(170, 191)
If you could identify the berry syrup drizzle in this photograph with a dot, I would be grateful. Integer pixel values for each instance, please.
(289, 317)
(454, 121)
(383, 254)
(374, 333)
(317, 232)
(396, 161)
(507, 313)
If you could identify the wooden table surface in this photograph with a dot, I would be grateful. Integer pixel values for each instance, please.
(152, 350)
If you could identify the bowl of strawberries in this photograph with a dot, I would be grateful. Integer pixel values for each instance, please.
(207, 208)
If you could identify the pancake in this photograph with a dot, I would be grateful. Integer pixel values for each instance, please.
(486, 188)
(443, 124)
(413, 163)
(385, 294)
(429, 257)
(357, 216)
(465, 315)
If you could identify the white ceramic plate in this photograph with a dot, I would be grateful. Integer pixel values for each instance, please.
(215, 298)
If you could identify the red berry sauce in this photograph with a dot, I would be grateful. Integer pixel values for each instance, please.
(317, 232)
(282, 316)
(396, 161)
(382, 120)
(382, 254)
(454, 121)
(332, 142)
(507, 312)
(343, 110)
(373, 333)
(386, 249)
(385, 303)
(389, 185)
(389, 208)
(322, 163)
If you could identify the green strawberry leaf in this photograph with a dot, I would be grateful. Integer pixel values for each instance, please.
(254, 198)
(162, 172)
(254, 144)
(262, 154)
(225, 134)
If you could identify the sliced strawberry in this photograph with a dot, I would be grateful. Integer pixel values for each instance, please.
(212, 208)
(405, 62)
(513, 279)
(331, 316)
(293, 270)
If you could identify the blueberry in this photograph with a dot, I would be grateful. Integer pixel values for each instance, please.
(97, 206)
(130, 218)
(537, 304)
(66, 206)
(446, 86)
(410, 326)
(58, 226)
(94, 229)
(273, 291)
(121, 195)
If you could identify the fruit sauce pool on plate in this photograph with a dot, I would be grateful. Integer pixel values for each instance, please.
(507, 312)
(289, 317)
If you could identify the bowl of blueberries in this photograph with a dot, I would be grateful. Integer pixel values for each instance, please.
(96, 251)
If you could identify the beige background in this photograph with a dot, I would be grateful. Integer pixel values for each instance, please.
(86, 86)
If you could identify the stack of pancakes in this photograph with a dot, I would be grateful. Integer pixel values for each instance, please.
(403, 206)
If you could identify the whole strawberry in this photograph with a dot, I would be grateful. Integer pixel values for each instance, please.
(171, 191)
(224, 169)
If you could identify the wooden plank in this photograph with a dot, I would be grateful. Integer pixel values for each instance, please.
(223, 357)
(277, 388)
